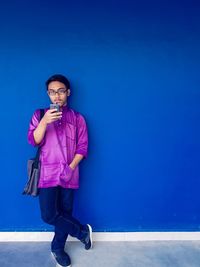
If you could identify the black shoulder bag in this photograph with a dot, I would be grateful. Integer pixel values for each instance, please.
(33, 167)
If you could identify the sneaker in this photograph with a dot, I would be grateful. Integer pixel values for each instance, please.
(88, 239)
(62, 258)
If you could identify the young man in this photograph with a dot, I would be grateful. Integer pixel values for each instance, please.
(62, 136)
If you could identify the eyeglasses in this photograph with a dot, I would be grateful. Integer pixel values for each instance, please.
(60, 91)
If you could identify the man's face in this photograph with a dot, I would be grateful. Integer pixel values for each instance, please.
(58, 93)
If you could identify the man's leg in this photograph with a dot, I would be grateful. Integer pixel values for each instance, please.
(49, 199)
(66, 204)
(65, 208)
(64, 223)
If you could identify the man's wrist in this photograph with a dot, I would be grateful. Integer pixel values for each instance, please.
(43, 122)
(72, 166)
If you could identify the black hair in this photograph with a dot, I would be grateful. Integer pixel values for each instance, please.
(58, 78)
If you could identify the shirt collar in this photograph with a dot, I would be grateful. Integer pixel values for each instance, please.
(65, 108)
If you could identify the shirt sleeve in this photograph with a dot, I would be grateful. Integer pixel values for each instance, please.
(82, 136)
(32, 126)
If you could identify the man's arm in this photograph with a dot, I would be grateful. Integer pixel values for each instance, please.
(82, 137)
(82, 142)
(39, 132)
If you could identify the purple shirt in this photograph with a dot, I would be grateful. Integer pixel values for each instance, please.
(62, 141)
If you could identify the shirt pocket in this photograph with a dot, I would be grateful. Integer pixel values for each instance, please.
(51, 171)
(70, 131)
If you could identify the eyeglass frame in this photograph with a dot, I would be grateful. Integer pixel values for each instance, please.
(52, 92)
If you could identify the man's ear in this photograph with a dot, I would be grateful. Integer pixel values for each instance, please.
(68, 92)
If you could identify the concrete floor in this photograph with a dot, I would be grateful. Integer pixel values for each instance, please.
(108, 254)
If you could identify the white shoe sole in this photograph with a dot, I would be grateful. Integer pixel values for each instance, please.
(57, 264)
(90, 232)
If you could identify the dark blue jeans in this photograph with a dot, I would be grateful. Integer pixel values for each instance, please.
(56, 205)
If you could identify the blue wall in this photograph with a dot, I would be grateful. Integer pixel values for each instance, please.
(134, 68)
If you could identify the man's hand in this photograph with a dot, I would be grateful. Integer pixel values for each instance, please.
(75, 161)
(51, 115)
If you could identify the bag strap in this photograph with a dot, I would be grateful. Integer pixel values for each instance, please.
(38, 150)
(41, 113)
